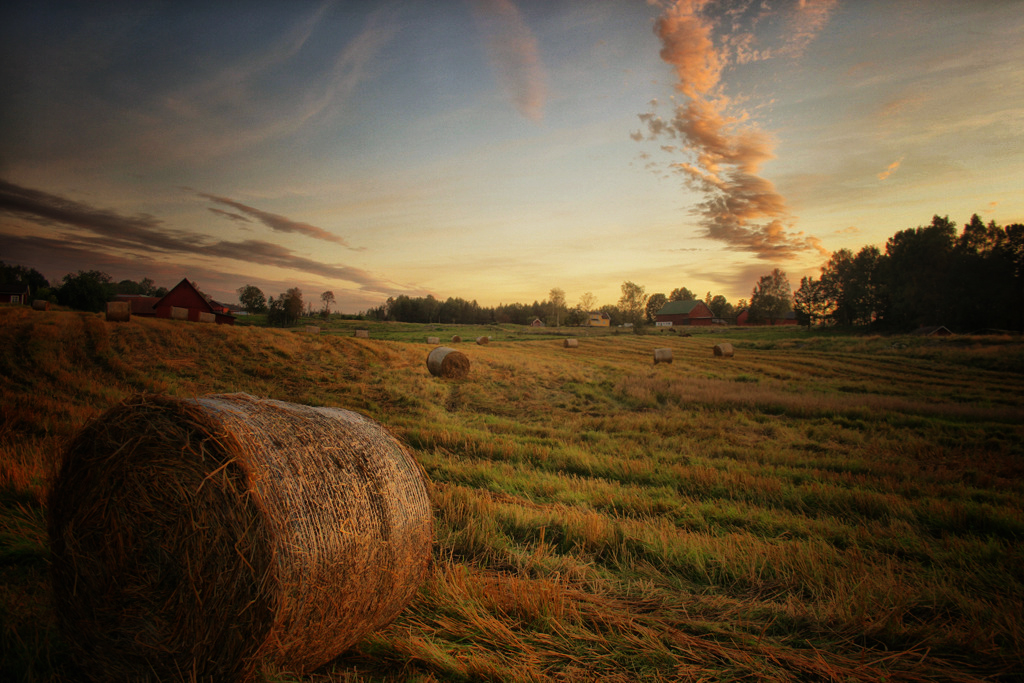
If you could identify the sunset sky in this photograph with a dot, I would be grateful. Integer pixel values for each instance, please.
(495, 149)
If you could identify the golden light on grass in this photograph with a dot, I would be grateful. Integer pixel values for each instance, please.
(200, 537)
(448, 363)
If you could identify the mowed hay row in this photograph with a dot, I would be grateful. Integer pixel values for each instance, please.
(447, 363)
(119, 311)
(201, 537)
(662, 356)
(724, 350)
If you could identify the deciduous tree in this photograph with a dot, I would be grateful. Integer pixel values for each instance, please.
(772, 297)
(632, 302)
(252, 299)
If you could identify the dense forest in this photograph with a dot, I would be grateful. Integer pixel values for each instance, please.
(968, 280)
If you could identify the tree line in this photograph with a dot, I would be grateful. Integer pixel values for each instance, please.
(86, 290)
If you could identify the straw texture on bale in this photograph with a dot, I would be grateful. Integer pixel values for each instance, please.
(363, 334)
(433, 340)
(197, 538)
(119, 311)
(725, 350)
(456, 339)
(572, 343)
(447, 363)
(179, 313)
(40, 305)
(206, 317)
(662, 356)
(483, 340)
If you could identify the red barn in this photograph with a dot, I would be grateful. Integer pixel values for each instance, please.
(188, 303)
(684, 313)
(141, 304)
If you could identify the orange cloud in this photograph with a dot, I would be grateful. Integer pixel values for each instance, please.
(890, 169)
(514, 55)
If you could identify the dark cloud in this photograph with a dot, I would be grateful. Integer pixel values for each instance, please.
(229, 215)
(280, 223)
(146, 236)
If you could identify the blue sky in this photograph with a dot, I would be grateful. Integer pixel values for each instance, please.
(493, 149)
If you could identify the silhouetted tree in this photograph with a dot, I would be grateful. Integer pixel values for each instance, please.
(772, 297)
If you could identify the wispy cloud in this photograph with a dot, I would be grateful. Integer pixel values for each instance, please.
(514, 54)
(725, 151)
(890, 169)
(145, 235)
(229, 215)
(277, 222)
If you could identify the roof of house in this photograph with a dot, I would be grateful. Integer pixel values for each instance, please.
(13, 289)
(678, 307)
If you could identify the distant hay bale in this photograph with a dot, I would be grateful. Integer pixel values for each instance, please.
(119, 311)
(363, 334)
(572, 343)
(433, 340)
(725, 350)
(205, 317)
(312, 329)
(483, 340)
(447, 363)
(40, 305)
(662, 356)
(197, 538)
(179, 313)
(456, 339)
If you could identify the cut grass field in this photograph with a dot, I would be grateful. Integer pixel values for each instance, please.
(819, 507)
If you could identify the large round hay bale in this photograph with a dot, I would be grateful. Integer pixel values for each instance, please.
(725, 350)
(456, 339)
(662, 356)
(196, 538)
(571, 343)
(207, 317)
(483, 340)
(179, 313)
(448, 363)
(119, 311)
(40, 305)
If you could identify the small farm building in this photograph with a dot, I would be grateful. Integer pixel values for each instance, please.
(185, 295)
(14, 294)
(141, 304)
(676, 313)
(599, 319)
(537, 322)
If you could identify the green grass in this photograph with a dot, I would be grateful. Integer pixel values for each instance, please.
(819, 507)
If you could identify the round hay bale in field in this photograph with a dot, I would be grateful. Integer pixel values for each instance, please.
(433, 340)
(456, 339)
(119, 311)
(483, 340)
(40, 305)
(363, 334)
(448, 363)
(725, 350)
(662, 356)
(197, 538)
(572, 343)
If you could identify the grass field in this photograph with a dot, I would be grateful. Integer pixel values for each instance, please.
(819, 507)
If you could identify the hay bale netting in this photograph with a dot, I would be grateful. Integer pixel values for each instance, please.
(433, 340)
(179, 313)
(363, 334)
(201, 537)
(448, 363)
(119, 311)
(456, 339)
(725, 350)
(40, 305)
(572, 343)
(483, 340)
(662, 356)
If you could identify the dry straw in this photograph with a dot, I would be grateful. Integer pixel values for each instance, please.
(662, 356)
(724, 350)
(456, 339)
(194, 539)
(433, 340)
(119, 311)
(447, 363)
(40, 305)
(571, 343)
(483, 340)
(179, 313)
